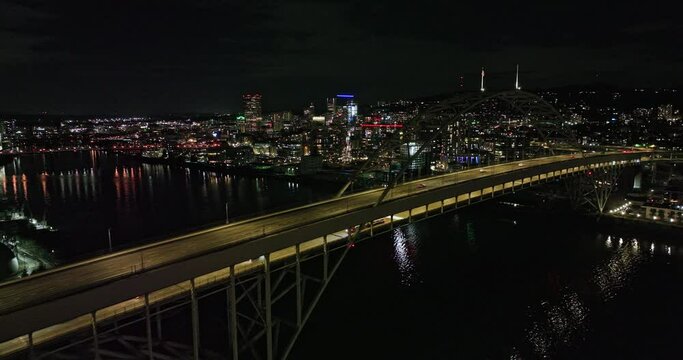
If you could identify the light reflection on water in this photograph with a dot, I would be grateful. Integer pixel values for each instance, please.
(565, 321)
(619, 269)
(83, 194)
(405, 254)
(560, 323)
(41, 180)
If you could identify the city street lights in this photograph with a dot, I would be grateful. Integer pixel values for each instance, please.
(227, 220)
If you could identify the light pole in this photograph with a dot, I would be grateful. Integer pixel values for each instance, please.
(109, 237)
(227, 221)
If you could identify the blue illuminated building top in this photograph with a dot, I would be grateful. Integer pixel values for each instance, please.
(346, 96)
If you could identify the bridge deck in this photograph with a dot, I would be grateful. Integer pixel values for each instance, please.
(24, 297)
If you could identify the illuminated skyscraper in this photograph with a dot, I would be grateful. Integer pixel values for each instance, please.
(251, 104)
(517, 87)
(331, 110)
(351, 111)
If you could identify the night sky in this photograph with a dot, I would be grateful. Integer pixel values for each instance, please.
(124, 57)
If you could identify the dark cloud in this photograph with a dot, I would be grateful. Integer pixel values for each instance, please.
(163, 56)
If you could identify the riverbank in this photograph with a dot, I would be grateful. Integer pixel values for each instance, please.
(330, 176)
(617, 219)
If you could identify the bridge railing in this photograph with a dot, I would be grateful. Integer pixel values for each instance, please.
(214, 259)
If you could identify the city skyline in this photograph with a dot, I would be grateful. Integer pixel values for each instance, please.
(200, 57)
(216, 179)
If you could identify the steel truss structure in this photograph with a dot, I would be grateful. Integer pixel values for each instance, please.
(547, 121)
(593, 188)
(544, 117)
(266, 311)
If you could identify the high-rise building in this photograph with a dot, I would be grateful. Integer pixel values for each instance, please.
(351, 111)
(419, 162)
(331, 110)
(279, 119)
(251, 104)
(345, 108)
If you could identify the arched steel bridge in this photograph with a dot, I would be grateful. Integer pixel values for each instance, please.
(261, 266)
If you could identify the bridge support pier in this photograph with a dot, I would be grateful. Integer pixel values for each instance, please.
(195, 320)
(594, 187)
(96, 342)
(269, 322)
(232, 314)
(158, 318)
(148, 325)
(325, 258)
(31, 355)
(298, 286)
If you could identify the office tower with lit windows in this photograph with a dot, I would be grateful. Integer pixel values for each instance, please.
(331, 110)
(251, 104)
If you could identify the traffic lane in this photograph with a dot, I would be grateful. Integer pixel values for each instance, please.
(218, 237)
(157, 256)
(116, 267)
(192, 245)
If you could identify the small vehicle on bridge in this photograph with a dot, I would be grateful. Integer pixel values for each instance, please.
(421, 186)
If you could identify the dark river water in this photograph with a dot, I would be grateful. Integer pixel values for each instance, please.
(84, 194)
(492, 281)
